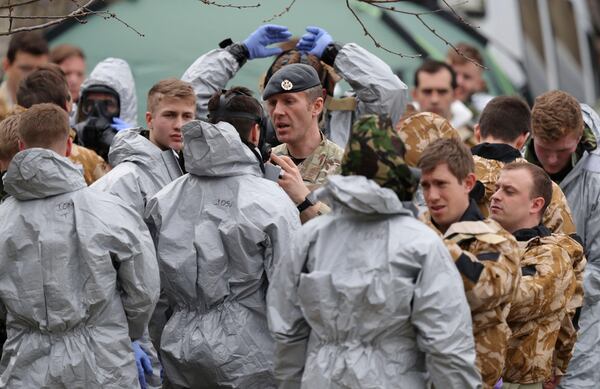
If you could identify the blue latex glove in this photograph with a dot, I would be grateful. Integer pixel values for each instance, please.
(120, 125)
(499, 384)
(314, 41)
(143, 364)
(264, 36)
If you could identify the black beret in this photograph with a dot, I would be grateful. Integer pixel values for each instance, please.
(295, 77)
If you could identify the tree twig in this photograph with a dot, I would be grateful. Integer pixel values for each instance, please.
(229, 5)
(285, 10)
(375, 42)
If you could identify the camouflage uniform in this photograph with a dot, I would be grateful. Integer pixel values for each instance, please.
(487, 256)
(418, 130)
(376, 152)
(487, 169)
(323, 162)
(540, 306)
(93, 165)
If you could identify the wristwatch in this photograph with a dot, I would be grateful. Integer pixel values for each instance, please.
(308, 202)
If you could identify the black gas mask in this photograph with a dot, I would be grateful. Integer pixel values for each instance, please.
(98, 106)
(262, 151)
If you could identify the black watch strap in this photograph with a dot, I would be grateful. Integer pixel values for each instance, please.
(305, 204)
(238, 50)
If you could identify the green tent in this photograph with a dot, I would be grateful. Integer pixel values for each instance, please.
(176, 32)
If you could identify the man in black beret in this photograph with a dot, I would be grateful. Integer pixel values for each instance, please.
(294, 100)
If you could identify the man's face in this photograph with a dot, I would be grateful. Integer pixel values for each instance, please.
(74, 69)
(469, 80)
(23, 64)
(166, 120)
(511, 204)
(446, 197)
(435, 93)
(555, 155)
(293, 115)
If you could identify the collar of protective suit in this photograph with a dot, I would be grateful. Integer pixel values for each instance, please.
(526, 234)
(39, 173)
(496, 151)
(361, 195)
(131, 146)
(216, 150)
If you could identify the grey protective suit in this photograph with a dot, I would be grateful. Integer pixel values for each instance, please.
(369, 299)
(582, 189)
(140, 170)
(116, 74)
(219, 230)
(376, 88)
(79, 279)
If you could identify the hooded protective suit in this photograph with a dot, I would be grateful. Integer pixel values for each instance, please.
(140, 170)
(79, 279)
(377, 89)
(369, 299)
(219, 231)
(582, 188)
(116, 74)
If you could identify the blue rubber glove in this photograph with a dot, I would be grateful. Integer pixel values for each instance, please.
(143, 364)
(264, 36)
(314, 41)
(499, 384)
(120, 125)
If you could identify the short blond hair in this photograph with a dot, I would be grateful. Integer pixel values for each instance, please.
(44, 125)
(169, 88)
(9, 137)
(555, 115)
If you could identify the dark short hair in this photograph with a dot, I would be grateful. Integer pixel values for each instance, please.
(237, 99)
(505, 118)
(47, 84)
(541, 184)
(32, 42)
(451, 151)
(61, 53)
(431, 66)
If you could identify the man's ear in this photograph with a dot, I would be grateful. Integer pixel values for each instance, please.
(69, 147)
(317, 106)
(5, 64)
(255, 134)
(149, 120)
(477, 131)
(470, 181)
(22, 145)
(537, 204)
(521, 140)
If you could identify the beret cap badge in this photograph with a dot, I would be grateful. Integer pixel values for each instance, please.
(286, 85)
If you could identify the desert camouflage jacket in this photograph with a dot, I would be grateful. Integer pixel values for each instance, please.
(489, 160)
(487, 256)
(547, 286)
(326, 160)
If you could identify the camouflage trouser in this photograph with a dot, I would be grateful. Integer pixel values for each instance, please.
(508, 385)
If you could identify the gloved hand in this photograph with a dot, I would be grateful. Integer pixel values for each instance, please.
(119, 124)
(499, 384)
(264, 36)
(143, 364)
(314, 41)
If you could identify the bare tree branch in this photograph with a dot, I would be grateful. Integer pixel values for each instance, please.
(79, 14)
(228, 5)
(375, 42)
(285, 10)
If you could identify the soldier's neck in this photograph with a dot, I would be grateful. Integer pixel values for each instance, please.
(304, 147)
